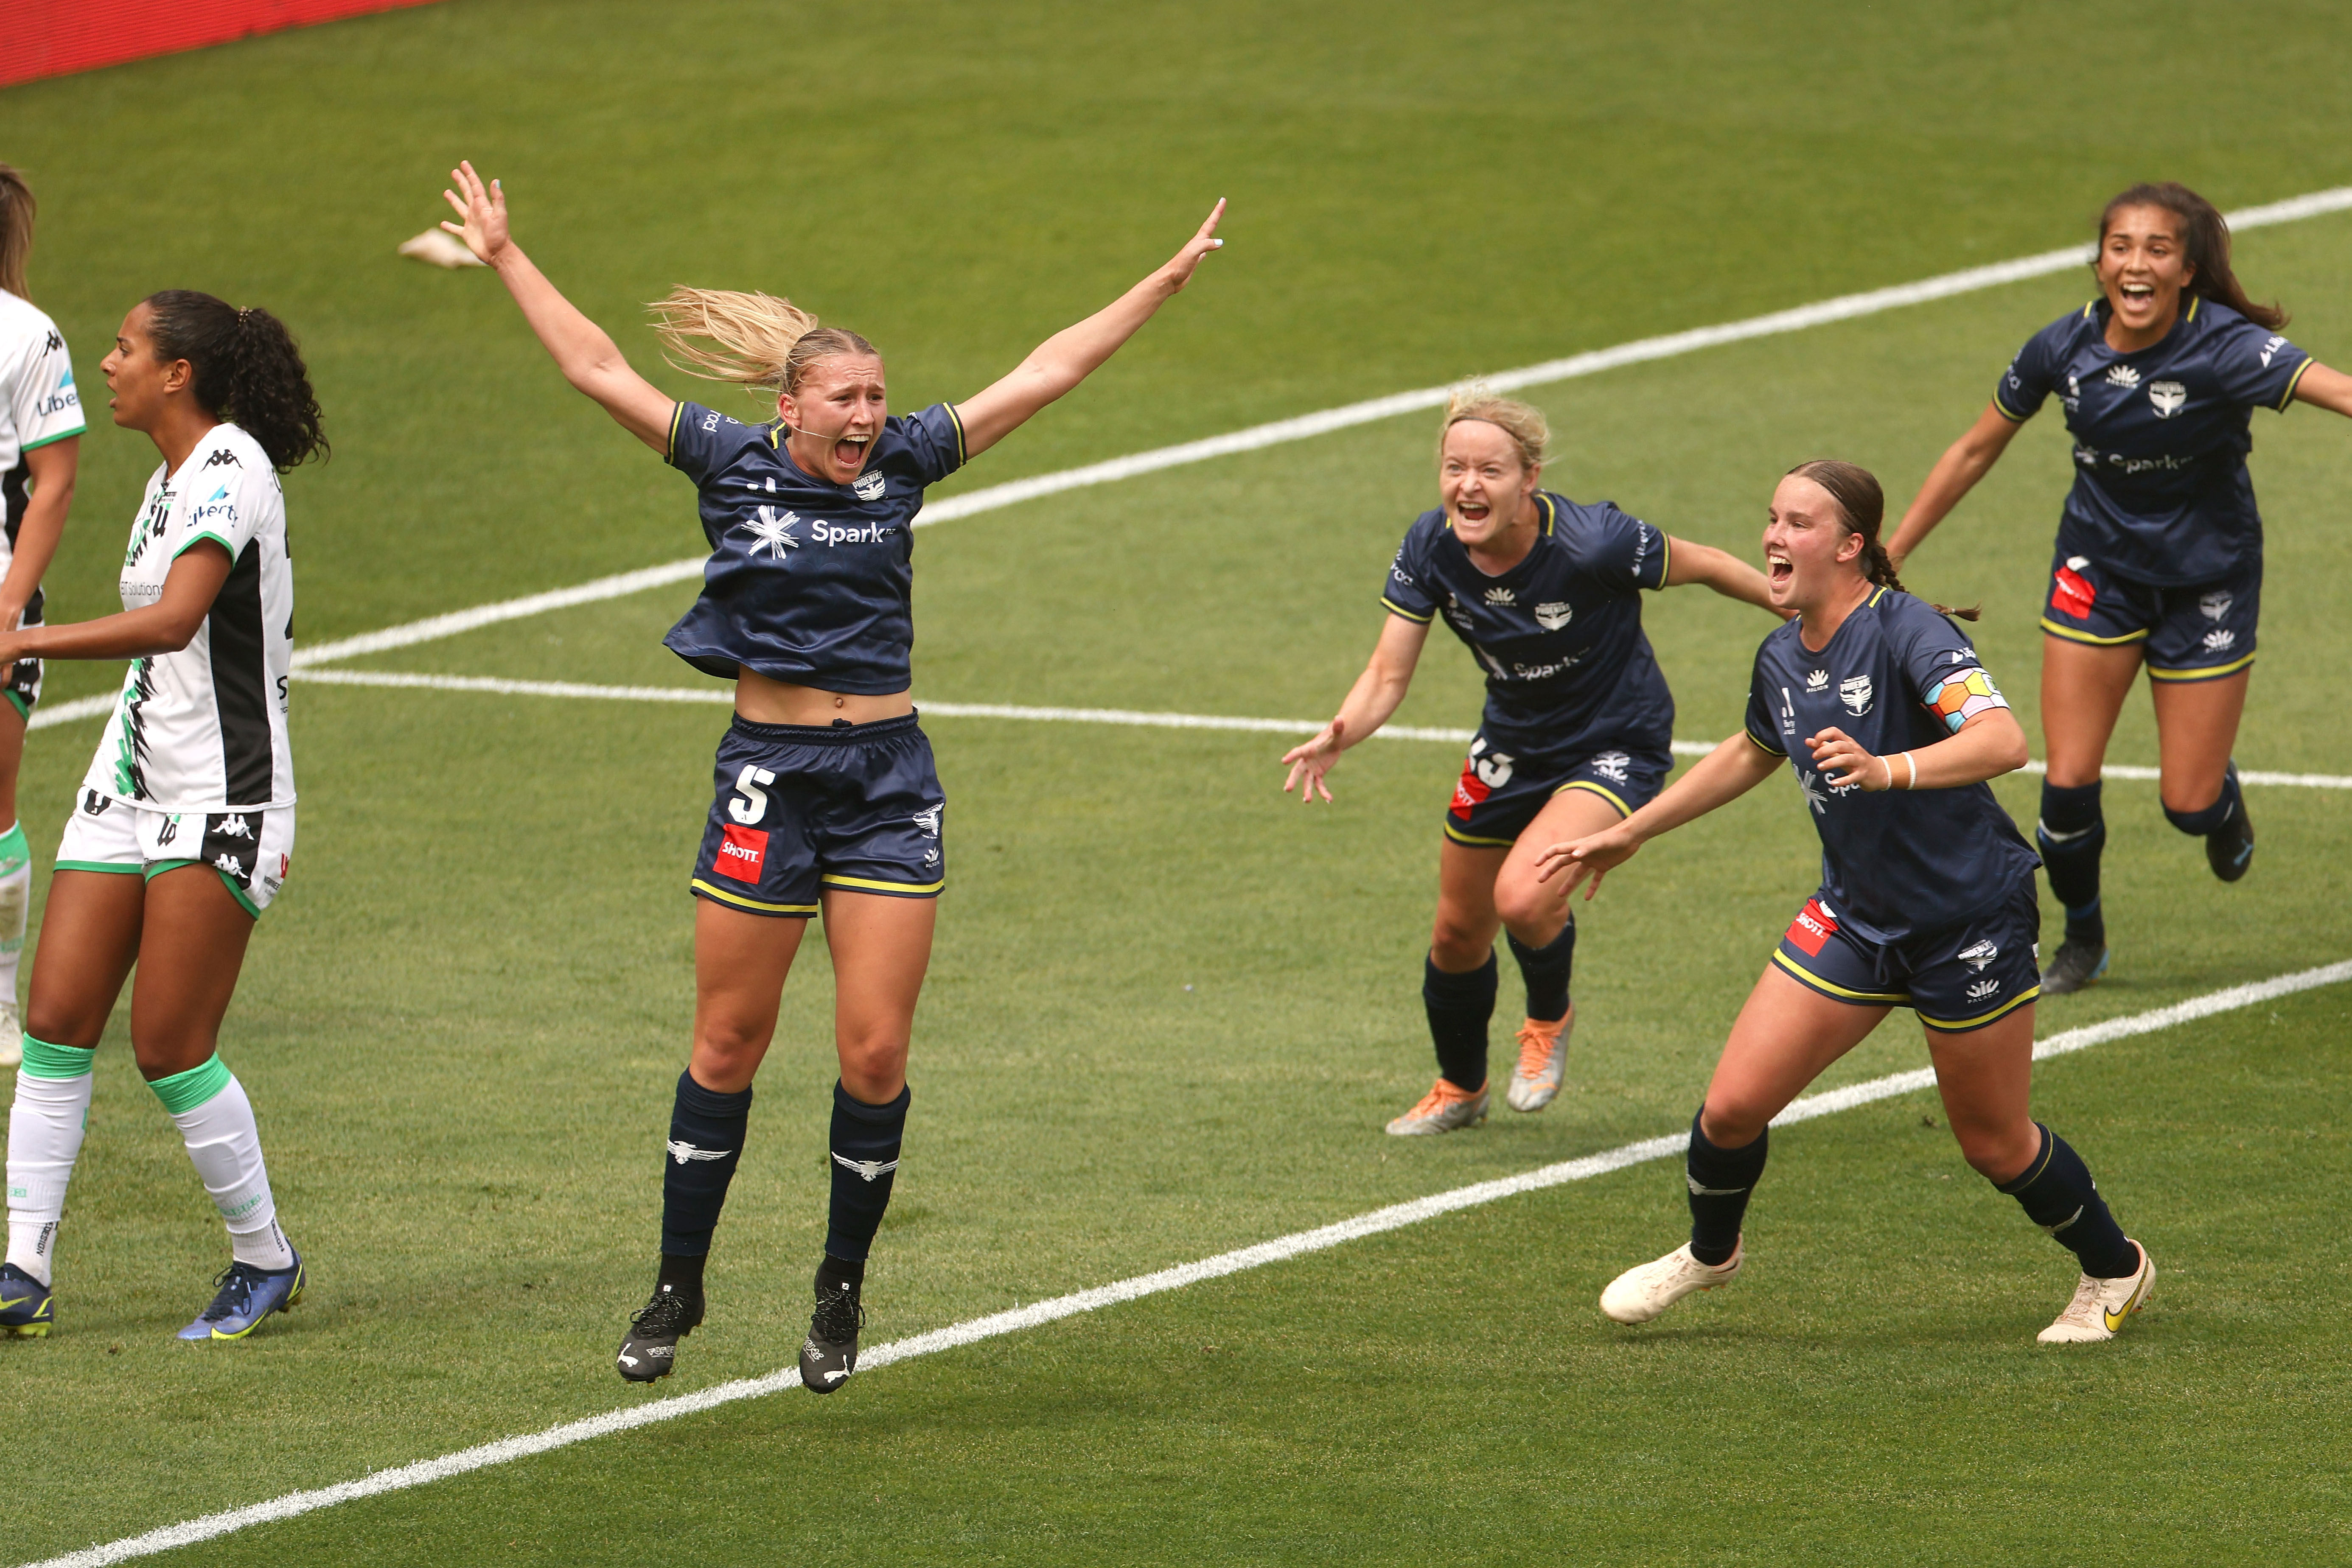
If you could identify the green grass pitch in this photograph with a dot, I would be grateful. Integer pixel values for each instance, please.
(1169, 1009)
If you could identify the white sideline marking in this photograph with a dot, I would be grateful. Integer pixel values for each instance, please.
(1845, 307)
(508, 1450)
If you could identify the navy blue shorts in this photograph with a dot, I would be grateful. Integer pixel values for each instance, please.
(1961, 977)
(798, 809)
(2201, 632)
(1501, 790)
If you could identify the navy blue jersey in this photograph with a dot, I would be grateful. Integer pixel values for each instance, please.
(1896, 677)
(808, 582)
(2161, 492)
(1559, 634)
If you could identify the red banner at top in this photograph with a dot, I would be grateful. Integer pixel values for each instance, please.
(54, 37)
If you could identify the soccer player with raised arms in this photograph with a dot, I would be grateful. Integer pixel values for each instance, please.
(826, 799)
(1892, 726)
(183, 832)
(2159, 554)
(1546, 593)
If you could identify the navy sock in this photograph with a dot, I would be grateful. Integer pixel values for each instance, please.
(2071, 835)
(1720, 1180)
(839, 1274)
(2213, 817)
(865, 1166)
(2058, 1195)
(706, 1139)
(1460, 1007)
(1545, 969)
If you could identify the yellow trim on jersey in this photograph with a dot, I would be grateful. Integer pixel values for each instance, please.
(2206, 673)
(724, 896)
(2192, 307)
(1759, 746)
(2002, 409)
(2072, 635)
(669, 441)
(1950, 1025)
(1608, 795)
(2092, 306)
(962, 455)
(1872, 603)
(1886, 998)
(1665, 558)
(2293, 382)
(1396, 609)
(1477, 844)
(867, 884)
(1551, 513)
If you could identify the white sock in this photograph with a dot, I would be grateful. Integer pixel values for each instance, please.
(224, 1145)
(45, 1129)
(15, 896)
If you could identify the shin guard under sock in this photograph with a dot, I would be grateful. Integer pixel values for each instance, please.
(865, 1140)
(2198, 824)
(1460, 1008)
(45, 1130)
(2071, 835)
(1720, 1181)
(706, 1139)
(224, 1143)
(2058, 1195)
(1546, 971)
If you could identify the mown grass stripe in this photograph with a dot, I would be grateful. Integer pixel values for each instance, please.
(507, 1450)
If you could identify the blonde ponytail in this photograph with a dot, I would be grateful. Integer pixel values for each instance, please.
(760, 342)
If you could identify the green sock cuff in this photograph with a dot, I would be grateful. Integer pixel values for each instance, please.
(14, 850)
(43, 1059)
(183, 1091)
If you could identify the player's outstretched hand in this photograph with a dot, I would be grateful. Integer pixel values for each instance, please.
(484, 210)
(1846, 765)
(1594, 857)
(1179, 270)
(1309, 762)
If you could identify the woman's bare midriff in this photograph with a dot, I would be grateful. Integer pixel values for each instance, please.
(763, 701)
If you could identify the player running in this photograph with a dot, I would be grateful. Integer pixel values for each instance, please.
(2159, 556)
(1546, 593)
(184, 824)
(40, 445)
(826, 798)
(1927, 899)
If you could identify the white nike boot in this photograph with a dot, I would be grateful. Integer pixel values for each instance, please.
(2100, 1306)
(1638, 1294)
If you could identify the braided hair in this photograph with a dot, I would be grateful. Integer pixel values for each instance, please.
(248, 370)
(1862, 507)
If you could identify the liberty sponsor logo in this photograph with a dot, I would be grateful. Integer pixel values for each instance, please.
(2214, 605)
(2166, 397)
(1984, 990)
(1482, 773)
(1978, 955)
(1499, 597)
(1855, 692)
(58, 401)
(1815, 924)
(2073, 396)
(741, 851)
(1459, 618)
(772, 533)
(710, 422)
(215, 507)
(2272, 347)
(928, 820)
(1641, 548)
(2121, 376)
(869, 487)
(2071, 592)
(682, 1152)
(2219, 638)
(1613, 765)
(1817, 681)
(1552, 616)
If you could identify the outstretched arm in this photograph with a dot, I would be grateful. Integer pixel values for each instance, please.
(1956, 473)
(583, 351)
(1375, 695)
(1719, 570)
(1071, 355)
(2323, 388)
(1719, 777)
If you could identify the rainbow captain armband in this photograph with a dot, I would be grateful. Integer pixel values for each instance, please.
(1962, 695)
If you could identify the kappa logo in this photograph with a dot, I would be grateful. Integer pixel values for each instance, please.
(1984, 990)
(772, 533)
(869, 487)
(1552, 616)
(2219, 638)
(1613, 765)
(928, 818)
(2121, 376)
(234, 828)
(54, 342)
(2166, 397)
(233, 864)
(1499, 597)
(683, 1153)
(2272, 347)
(1817, 680)
(1978, 955)
(224, 458)
(1855, 692)
(868, 1170)
(2214, 605)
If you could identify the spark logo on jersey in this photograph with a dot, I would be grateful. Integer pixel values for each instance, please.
(2165, 398)
(1482, 773)
(1814, 926)
(741, 852)
(2074, 594)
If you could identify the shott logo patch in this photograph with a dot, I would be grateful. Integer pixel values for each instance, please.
(1813, 926)
(741, 852)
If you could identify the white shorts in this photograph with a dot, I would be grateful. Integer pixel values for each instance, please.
(250, 849)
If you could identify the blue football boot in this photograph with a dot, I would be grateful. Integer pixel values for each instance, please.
(246, 1296)
(26, 1308)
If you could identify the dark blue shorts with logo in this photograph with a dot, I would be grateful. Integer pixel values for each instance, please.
(797, 809)
(2201, 632)
(1959, 978)
(1506, 782)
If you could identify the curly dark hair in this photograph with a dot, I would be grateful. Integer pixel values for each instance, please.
(248, 370)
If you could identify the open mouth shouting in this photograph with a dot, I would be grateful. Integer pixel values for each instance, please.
(849, 452)
(1779, 569)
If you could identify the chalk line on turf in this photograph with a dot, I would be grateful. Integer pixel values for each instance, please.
(505, 1450)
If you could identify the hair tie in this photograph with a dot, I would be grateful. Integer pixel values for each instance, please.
(243, 311)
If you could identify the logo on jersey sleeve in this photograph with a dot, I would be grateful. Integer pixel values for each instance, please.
(2072, 593)
(2272, 347)
(1855, 694)
(1482, 773)
(742, 851)
(1552, 616)
(214, 509)
(2165, 398)
(224, 458)
(869, 487)
(1813, 927)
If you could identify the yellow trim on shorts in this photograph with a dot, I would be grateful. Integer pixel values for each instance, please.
(1806, 977)
(872, 884)
(2071, 635)
(756, 905)
(1957, 1026)
(1477, 844)
(2204, 673)
(1608, 795)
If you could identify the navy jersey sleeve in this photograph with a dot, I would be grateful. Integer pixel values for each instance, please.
(2023, 387)
(2257, 366)
(1940, 665)
(1411, 590)
(1624, 552)
(934, 441)
(701, 440)
(1761, 729)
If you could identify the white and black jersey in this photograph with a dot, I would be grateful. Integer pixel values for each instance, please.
(38, 404)
(203, 730)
